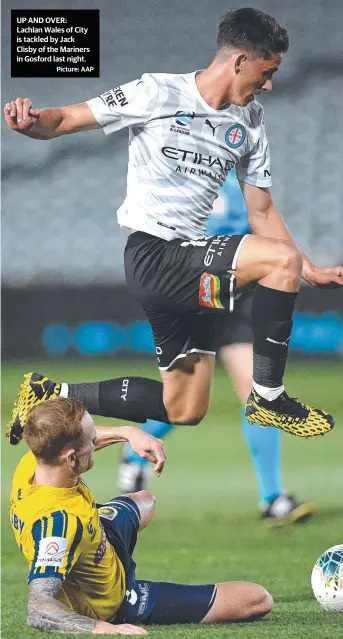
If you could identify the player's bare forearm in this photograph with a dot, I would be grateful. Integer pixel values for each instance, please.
(46, 613)
(144, 444)
(264, 218)
(108, 435)
(45, 124)
(270, 223)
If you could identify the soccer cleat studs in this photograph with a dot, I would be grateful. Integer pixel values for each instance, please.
(34, 390)
(287, 414)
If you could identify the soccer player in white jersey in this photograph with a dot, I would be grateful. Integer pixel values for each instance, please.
(186, 131)
(234, 343)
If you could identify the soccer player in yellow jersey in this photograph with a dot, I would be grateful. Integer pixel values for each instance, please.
(82, 575)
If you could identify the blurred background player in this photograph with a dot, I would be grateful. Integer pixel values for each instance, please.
(234, 343)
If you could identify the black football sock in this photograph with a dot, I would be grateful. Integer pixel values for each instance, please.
(271, 318)
(135, 399)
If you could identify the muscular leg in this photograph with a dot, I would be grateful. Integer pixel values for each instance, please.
(182, 397)
(186, 398)
(224, 603)
(275, 264)
(187, 388)
(239, 601)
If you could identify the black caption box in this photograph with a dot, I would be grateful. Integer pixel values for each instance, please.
(55, 44)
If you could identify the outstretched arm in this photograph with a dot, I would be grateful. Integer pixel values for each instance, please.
(44, 124)
(45, 612)
(145, 445)
(266, 220)
(132, 104)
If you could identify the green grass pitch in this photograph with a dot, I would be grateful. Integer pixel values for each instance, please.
(207, 527)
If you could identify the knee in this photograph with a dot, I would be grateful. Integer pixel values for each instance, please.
(188, 417)
(289, 257)
(145, 502)
(186, 413)
(146, 498)
(239, 601)
(261, 602)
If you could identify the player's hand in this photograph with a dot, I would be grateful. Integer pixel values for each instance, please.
(105, 628)
(331, 277)
(20, 114)
(149, 447)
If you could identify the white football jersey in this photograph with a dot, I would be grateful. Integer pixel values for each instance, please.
(180, 151)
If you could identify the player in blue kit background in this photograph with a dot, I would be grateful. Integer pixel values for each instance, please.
(234, 343)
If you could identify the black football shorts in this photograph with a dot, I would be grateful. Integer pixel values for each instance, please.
(148, 602)
(182, 286)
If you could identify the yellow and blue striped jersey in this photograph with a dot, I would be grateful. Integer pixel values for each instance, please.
(60, 534)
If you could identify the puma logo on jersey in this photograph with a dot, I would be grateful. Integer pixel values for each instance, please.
(274, 341)
(211, 126)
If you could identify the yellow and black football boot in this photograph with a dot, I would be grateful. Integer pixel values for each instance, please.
(288, 414)
(34, 390)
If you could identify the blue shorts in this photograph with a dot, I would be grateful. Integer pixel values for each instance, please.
(149, 602)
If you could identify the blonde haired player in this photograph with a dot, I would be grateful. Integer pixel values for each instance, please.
(81, 572)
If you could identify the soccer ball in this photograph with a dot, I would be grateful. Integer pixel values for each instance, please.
(327, 579)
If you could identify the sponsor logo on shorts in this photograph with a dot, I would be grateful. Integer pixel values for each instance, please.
(209, 291)
(143, 596)
(108, 512)
(131, 597)
(114, 98)
(235, 136)
(216, 248)
(51, 551)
